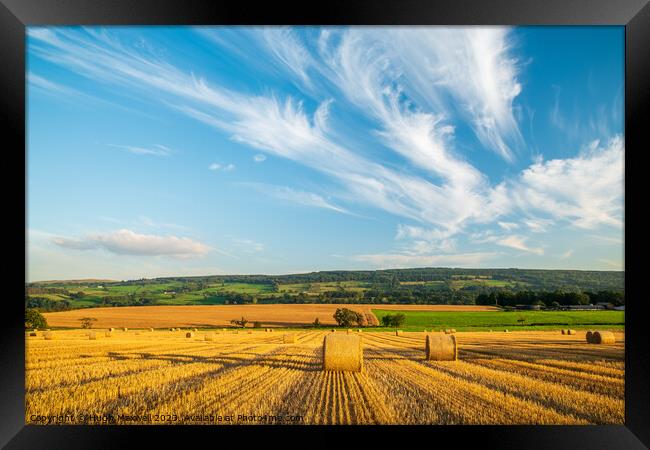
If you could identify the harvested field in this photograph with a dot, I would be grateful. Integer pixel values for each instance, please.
(527, 377)
(220, 315)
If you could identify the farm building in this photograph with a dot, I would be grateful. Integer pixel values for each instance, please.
(582, 308)
(528, 307)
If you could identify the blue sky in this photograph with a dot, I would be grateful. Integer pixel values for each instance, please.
(161, 151)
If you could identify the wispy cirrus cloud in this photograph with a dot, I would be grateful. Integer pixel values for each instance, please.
(519, 243)
(396, 260)
(296, 196)
(248, 245)
(128, 242)
(216, 167)
(471, 67)
(152, 150)
(566, 255)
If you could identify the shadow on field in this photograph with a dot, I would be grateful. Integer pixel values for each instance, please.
(286, 359)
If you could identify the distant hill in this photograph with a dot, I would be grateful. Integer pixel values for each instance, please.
(536, 279)
(399, 286)
(79, 281)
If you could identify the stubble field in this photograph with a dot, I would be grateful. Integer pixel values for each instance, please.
(528, 377)
(283, 315)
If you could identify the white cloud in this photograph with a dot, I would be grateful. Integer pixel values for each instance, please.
(248, 245)
(259, 158)
(395, 261)
(508, 226)
(361, 66)
(216, 167)
(148, 222)
(286, 47)
(567, 254)
(586, 190)
(471, 69)
(296, 196)
(607, 240)
(537, 225)
(519, 243)
(154, 150)
(127, 242)
(483, 237)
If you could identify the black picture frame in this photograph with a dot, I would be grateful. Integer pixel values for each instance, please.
(15, 15)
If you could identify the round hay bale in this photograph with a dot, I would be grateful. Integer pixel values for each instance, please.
(332, 330)
(268, 330)
(603, 337)
(289, 338)
(48, 336)
(570, 332)
(349, 331)
(441, 348)
(453, 330)
(189, 334)
(447, 331)
(111, 329)
(563, 331)
(342, 353)
(399, 332)
(108, 334)
(92, 336)
(125, 329)
(506, 331)
(150, 329)
(195, 329)
(590, 337)
(359, 330)
(33, 333)
(209, 337)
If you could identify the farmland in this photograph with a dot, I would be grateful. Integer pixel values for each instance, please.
(530, 320)
(221, 315)
(528, 377)
(403, 286)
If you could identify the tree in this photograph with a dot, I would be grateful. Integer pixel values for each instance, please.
(316, 322)
(346, 317)
(240, 323)
(34, 319)
(87, 322)
(393, 320)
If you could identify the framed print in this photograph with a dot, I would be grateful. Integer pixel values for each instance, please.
(377, 218)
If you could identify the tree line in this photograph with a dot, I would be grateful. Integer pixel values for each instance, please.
(549, 298)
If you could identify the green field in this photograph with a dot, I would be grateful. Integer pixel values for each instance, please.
(315, 288)
(499, 320)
